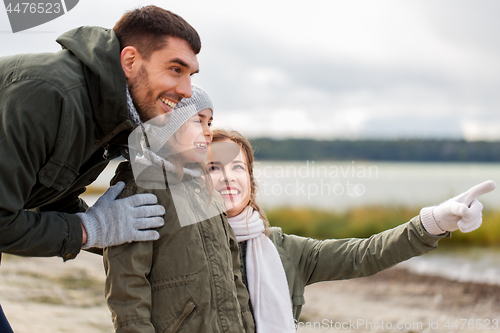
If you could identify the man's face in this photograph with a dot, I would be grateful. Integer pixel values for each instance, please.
(158, 84)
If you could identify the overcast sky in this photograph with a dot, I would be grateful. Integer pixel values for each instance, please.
(329, 69)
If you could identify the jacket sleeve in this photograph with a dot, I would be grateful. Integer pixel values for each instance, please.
(338, 259)
(70, 203)
(128, 291)
(29, 121)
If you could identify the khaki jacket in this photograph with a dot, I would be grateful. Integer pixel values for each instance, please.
(189, 280)
(307, 261)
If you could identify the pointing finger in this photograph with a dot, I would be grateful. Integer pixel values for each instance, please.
(477, 191)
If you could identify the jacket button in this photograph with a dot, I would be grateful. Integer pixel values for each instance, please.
(69, 256)
(197, 190)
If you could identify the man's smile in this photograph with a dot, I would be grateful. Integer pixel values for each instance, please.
(168, 103)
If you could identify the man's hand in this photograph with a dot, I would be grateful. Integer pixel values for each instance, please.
(114, 221)
(462, 212)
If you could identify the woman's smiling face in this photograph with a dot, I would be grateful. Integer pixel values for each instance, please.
(232, 181)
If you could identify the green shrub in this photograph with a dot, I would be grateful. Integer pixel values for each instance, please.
(365, 221)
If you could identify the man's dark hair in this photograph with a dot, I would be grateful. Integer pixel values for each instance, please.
(147, 29)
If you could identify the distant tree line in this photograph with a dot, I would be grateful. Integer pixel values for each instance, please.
(377, 150)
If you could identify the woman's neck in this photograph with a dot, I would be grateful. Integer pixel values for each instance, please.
(233, 214)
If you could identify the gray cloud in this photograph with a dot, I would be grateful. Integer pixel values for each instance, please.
(437, 92)
(418, 67)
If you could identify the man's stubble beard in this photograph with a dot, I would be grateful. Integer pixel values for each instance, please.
(141, 86)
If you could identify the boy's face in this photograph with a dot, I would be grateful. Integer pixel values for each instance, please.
(159, 83)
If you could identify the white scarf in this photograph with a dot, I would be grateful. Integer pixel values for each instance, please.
(267, 283)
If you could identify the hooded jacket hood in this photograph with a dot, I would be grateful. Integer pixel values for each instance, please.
(99, 50)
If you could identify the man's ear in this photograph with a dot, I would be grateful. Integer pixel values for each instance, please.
(130, 59)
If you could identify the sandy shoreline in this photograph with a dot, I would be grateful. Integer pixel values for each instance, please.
(47, 295)
(397, 296)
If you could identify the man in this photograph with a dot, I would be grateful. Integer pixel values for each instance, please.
(63, 116)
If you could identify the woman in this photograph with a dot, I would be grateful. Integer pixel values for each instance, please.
(277, 267)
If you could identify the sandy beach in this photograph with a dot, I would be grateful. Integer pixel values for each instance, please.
(46, 295)
(395, 297)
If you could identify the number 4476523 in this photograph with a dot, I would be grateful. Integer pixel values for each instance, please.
(27, 7)
(477, 324)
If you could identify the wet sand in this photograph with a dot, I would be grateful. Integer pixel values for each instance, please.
(46, 295)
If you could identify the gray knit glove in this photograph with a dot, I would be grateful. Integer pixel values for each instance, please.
(112, 221)
(462, 212)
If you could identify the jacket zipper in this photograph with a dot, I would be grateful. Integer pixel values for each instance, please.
(183, 321)
(106, 151)
(108, 137)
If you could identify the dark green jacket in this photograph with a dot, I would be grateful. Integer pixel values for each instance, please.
(57, 111)
(307, 261)
(189, 280)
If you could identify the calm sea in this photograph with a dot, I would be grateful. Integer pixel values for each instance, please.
(342, 185)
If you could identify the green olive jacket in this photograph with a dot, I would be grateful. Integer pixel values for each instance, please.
(189, 280)
(307, 261)
(63, 116)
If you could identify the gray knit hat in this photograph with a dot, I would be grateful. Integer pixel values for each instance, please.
(185, 109)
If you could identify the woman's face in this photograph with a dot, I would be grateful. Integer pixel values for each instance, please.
(193, 138)
(232, 181)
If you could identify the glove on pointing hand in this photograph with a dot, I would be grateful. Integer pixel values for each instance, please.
(114, 221)
(462, 212)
